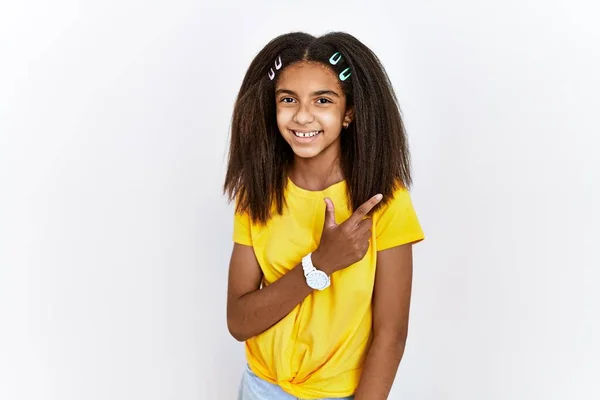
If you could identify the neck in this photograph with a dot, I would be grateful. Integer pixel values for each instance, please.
(317, 173)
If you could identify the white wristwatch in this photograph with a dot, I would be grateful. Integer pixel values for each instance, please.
(315, 278)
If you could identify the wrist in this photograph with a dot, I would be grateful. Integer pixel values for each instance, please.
(315, 277)
(319, 263)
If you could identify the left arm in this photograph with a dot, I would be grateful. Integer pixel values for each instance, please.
(391, 304)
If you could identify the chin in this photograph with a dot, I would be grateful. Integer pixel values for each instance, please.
(306, 152)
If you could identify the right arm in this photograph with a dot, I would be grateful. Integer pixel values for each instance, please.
(251, 310)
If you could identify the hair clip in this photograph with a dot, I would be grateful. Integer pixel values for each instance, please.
(278, 65)
(343, 75)
(333, 60)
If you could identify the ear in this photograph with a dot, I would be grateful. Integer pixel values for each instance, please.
(349, 116)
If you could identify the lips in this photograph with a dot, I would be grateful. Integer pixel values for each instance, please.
(306, 134)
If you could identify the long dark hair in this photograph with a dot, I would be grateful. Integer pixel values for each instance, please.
(374, 149)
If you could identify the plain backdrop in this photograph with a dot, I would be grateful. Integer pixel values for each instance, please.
(115, 236)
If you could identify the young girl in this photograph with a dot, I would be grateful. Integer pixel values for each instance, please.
(320, 274)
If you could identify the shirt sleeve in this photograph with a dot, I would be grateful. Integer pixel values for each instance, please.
(241, 229)
(397, 222)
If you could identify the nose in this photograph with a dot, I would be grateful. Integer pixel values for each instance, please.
(303, 116)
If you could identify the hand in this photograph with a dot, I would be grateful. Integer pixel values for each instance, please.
(344, 244)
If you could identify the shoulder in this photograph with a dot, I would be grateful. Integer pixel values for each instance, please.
(400, 200)
(396, 222)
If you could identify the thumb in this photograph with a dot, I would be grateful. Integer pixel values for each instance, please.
(329, 214)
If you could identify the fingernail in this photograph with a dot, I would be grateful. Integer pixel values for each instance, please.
(379, 197)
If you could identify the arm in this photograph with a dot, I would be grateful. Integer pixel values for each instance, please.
(251, 310)
(391, 303)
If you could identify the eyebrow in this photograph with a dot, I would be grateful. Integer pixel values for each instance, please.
(317, 93)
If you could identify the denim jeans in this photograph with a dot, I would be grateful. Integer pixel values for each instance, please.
(255, 388)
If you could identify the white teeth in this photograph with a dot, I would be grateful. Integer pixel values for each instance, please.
(306, 134)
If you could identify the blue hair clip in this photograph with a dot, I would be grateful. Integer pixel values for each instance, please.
(343, 75)
(333, 60)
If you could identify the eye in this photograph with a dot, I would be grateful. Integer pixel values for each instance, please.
(286, 100)
(323, 100)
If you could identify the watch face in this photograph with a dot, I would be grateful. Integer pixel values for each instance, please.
(317, 280)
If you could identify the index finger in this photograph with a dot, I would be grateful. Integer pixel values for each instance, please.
(364, 209)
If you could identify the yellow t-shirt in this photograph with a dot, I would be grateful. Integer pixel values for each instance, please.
(318, 349)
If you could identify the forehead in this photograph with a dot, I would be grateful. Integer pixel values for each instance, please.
(308, 76)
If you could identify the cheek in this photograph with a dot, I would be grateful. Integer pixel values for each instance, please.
(283, 116)
(331, 120)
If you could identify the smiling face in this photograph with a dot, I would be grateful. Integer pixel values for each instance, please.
(311, 110)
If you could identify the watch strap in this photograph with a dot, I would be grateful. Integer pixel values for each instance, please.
(307, 265)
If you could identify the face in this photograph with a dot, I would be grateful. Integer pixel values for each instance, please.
(311, 110)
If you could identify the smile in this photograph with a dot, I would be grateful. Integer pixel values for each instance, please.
(306, 134)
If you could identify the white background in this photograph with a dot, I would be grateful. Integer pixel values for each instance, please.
(115, 237)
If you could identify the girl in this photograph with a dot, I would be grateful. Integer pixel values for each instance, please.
(320, 274)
